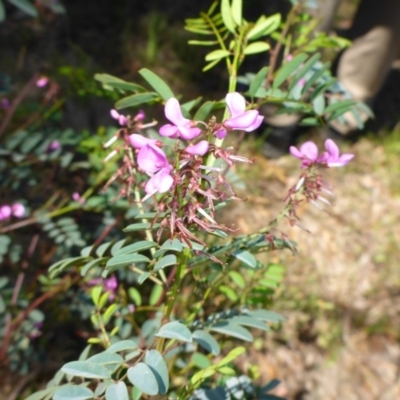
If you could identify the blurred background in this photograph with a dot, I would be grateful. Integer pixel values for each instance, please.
(341, 294)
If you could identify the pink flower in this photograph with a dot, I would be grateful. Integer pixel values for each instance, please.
(54, 145)
(5, 212)
(240, 118)
(138, 141)
(301, 82)
(153, 161)
(140, 116)
(181, 127)
(308, 154)
(198, 149)
(122, 120)
(42, 81)
(334, 159)
(18, 210)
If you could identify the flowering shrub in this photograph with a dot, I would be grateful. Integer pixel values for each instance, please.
(171, 293)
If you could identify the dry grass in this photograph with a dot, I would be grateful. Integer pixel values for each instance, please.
(341, 294)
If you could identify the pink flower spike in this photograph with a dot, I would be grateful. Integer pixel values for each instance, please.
(18, 210)
(198, 149)
(241, 119)
(140, 116)
(42, 81)
(334, 159)
(181, 127)
(138, 141)
(5, 212)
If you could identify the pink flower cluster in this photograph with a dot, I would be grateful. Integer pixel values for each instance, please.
(152, 160)
(7, 211)
(309, 155)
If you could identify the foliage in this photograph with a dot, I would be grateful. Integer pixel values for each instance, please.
(137, 250)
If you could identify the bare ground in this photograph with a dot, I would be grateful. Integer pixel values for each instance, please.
(341, 294)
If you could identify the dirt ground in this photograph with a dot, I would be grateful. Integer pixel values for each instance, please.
(341, 294)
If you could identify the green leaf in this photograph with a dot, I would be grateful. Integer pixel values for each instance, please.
(111, 309)
(96, 292)
(141, 227)
(143, 277)
(156, 362)
(93, 263)
(157, 83)
(25, 6)
(117, 83)
(166, 261)
(136, 100)
(124, 260)
(231, 329)
(2, 12)
(256, 47)
(264, 26)
(229, 292)
(117, 246)
(227, 16)
(103, 248)
(85, 369)
(142, 376)
(155, 294)
(236, 10)
(169, 245)
(233, 354)
(62, 265)
(217, 55)
(200, 360)
(265, 315)
(237, 278)
(175, 330)
(41, 394)
(211, 64)
(306, 67)
(203, 112)
(71, 392)
(135, 295)
(345, 104)
(257, 81)
(315, 77)
(117, 391)
(122, 345)
(136, 247)
(246, 258)
(287, 69)
(106, 358)
(205, 340)
(319, 104)
(250, 322)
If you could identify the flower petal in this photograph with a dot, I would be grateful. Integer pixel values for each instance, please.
(309, 150)
(255, 124)
(173, 112)
(169, 130)
(243, 121)
(221, 133)
(151, 159)
(161, 182)
(138, 141)
(189, 133)
(294, 151)
(236, 104)
(198, 149)
(332, 148)
(114, 114)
